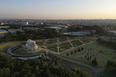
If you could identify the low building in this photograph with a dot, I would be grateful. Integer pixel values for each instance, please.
(59, 28)
(31, 28)
(4, 27)
(3, 32)
(15, 30)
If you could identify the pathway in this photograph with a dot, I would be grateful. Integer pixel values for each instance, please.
(45, 42)
(58, 45)
(96, 70)
(81, 41)
(98, 53)
(70, 42)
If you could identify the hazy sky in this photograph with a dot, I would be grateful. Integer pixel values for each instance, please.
(58, 9)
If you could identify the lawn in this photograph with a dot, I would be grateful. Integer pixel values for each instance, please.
(63, 39)
(71, 64)
(107, 52)
(65, 46)
(91, 45)
(85, 40)
(40, 42)
(76, 43)
(53, 47)
(21, 51)
(50, 41)
(6, 45)
(80, 57)
(72, 37)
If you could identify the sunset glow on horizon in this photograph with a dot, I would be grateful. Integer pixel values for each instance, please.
(58, 9)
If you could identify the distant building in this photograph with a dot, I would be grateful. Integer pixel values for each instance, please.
(4, 27)
(3, 32)
(31, 28)
(1, 23)
(15, 30)
(59, 28)
(26, 23)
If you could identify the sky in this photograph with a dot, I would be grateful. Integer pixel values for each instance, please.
(57, 9)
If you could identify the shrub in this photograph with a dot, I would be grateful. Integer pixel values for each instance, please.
(101, 51)
(82, 48)
(94, 62)
(71, 52)
(88, 58)
(67, 54)
(79, 50)
(85, 56)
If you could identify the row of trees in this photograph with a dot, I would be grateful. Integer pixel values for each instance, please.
(77, 28)
(108, 43)
(110, 69)
(30, 34)
(10, 67)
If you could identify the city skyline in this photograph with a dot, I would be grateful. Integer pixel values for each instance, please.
(60, 9)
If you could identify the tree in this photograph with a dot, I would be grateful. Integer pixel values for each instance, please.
(82, 48)
(94, 62)
(75, 51)
(67, 54)
(88, 58)
(57, 60)
(71, 52)
(101, 51)
(79, 50)
(85, 56)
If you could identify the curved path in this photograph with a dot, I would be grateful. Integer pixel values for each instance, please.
(22, 56)
(98, 53)
(96, 70)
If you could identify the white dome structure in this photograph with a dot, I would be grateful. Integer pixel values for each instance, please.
(31, 45)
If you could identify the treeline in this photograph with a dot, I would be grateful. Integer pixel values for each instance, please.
(110, 69)
(40, 67)
(79, 28)
(99, 30)
(108, 43)
(30, 34)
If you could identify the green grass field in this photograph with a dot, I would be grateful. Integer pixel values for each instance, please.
(76, 43)
(50, 41)
(80, 57)
(107, 52)
(85, 40)
(90, 45)
(40, 42)
(6, 45)
(64, 46)
(63, 39)
(72, 38)
(21, 51)
(73, 65)
(53, 47)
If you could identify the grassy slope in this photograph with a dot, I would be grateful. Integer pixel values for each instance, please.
(5, 46)
(109, 53)
(53, 47)
(65, 46)
(76, 43)
(77, 56)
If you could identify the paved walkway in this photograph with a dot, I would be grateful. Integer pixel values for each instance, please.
(81, 41)
(98, 53)
(70, 42)
(58, 45)
(45, 42)
(96, 70)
